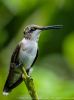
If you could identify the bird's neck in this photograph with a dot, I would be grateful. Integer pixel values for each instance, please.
(30, 40)
(33, 36)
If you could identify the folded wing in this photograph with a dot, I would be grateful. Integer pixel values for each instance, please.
(14, 77)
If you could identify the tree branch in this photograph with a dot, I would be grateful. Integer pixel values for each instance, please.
(29, 84)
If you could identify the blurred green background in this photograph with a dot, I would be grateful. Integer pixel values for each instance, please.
(53, 72)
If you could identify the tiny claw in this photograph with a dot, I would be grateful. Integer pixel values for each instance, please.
(23, 76)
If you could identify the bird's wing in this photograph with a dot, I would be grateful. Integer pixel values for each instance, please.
(14, 76)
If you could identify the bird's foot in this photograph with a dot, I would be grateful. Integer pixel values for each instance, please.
(28, 77)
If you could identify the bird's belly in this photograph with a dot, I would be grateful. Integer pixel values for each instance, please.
(27, 57)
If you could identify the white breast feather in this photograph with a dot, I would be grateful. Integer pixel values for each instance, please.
(27, 52)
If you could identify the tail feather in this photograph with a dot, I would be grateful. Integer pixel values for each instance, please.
(8, 88)
(5, 93)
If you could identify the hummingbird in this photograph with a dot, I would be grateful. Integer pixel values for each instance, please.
(25, 54)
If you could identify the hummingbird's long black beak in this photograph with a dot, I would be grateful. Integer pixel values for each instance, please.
(51, 27)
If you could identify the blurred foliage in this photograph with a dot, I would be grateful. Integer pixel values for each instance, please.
(54, 70)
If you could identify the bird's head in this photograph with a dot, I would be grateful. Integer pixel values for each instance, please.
(32, 32)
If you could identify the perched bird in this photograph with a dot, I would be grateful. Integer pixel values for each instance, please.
(25, 54)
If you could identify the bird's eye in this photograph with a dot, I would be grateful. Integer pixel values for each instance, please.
(32, 29)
